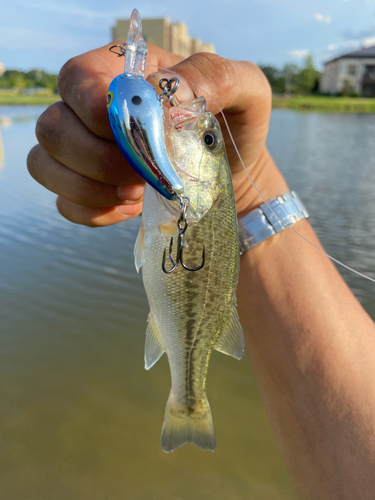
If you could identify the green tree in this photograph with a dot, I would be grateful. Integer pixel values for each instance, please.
(290, 73)
(35, 78)
(275, 78)
(348, 90)
(308, 78)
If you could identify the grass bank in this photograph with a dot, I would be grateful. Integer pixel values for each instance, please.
(24, 100)
(303, 103)
(324, 103)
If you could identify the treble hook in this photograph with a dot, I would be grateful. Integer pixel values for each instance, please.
(182, 225)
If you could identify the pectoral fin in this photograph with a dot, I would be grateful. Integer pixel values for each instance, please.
(169, 228)
(153, 348)
(139, 248)
(232, 342)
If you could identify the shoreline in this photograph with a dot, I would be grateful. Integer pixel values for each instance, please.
(300, 103)
(28, 100)
(325, 103)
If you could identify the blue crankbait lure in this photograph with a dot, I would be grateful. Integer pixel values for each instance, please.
(135, 112)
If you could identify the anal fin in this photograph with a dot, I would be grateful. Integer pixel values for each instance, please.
(232, 341)
(153, 348)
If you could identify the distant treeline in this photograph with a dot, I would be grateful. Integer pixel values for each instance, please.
(293, 79)
(12, 78)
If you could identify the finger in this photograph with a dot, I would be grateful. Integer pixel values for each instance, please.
(96, 217)
(222, 81)
(63, 135)
(84, 80)
(76, 187)
(240, 89)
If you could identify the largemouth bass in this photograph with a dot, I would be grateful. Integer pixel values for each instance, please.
(189, 198)
(191, 313)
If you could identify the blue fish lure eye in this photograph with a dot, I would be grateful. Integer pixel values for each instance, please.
(109, 98)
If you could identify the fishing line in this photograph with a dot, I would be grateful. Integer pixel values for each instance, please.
(289, 226)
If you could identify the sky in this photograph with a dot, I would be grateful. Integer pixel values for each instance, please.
(45, 34)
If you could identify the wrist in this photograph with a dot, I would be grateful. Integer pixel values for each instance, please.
(266, 177)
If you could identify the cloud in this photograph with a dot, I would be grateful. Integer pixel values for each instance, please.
(369, 41)
(355, 43)
(343, 45)
(349, 34)
(322, 19)
(299, 53)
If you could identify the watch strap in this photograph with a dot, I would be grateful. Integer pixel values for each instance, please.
(263, 222)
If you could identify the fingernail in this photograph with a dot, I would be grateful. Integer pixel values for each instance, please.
(124, 210)
(130, 194)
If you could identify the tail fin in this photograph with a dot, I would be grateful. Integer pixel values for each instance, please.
(183, 424)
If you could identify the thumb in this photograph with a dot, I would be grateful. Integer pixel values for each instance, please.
(234, 85)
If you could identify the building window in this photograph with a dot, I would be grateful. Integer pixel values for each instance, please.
(369, 73)
(352, 69)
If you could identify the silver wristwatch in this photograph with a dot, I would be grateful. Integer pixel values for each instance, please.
(262, 223)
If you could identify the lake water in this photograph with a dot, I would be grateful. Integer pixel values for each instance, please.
(80, 418)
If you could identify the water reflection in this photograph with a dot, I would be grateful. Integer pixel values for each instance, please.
(1, 152)
(80, 417)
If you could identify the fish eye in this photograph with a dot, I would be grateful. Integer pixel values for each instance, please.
(136, 100)
(212, 140)
(109, 98)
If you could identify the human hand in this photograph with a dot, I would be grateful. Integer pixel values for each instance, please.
(78, 159)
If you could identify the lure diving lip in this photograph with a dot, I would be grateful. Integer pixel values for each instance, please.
(135, 113)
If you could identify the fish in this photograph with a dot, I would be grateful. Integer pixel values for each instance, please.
(187, 243)
(191, 313)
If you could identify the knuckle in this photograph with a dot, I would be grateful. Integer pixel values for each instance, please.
(62, 208)
(260, 86)
(263, 83)
(65, 76)
(47, 129)
(73, 213)
(32, 160)
(211, 67)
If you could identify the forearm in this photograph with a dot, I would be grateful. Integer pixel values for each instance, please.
(313, 350)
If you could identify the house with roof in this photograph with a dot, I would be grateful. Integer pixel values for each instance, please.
(356, 68)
